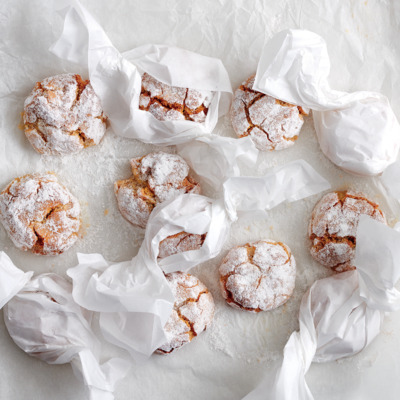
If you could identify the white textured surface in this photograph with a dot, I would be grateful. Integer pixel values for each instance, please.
(227, 360)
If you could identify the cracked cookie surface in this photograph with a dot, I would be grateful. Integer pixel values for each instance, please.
(169, 103)
(156, 177)
(272, 124)
(179, 243)
(63, 115)
(333, 227)
(193, 311)
(258, 276)
(39, 214)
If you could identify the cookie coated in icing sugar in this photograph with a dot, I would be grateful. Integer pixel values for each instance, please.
(272, 124)
(258, 276)
(157, 177)
(193, 311)
(333, 227)
(179, 243)
(39, 214)
(63, 115)
(172, 103)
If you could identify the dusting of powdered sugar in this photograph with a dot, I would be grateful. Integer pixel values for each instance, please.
(193, 310)
(272, 124)
(259, 276)
(333, 227)
(59, 118)
(179, 243)
(157, 177)
(169, 103)
(37, 208)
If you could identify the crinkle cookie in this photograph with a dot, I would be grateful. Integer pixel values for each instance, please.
(258, 276)
(179, 243)
(62, 115)
(193, 311)
(169, 103)
(40, 214)
(272, 124)
(157, 177)
(333, 227)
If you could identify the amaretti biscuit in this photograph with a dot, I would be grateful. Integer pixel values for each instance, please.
(193, 311)
(333, 227)
(271, 123)
(179, 243)
(62, 115)
(39, 214)
(169, 103)
(258, 276)
(157, 177)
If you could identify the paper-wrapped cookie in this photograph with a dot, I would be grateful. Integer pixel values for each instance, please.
(45, 322)
(358, 131)
(340, 315)
(155, 93)
(133, 297)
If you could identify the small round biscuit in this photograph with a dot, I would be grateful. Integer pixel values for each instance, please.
(39, 214)
(193, 311)
(169, 103)
(157, 177)
(258, 276)
(62, 115)
(179, 243)
(333, 227)
(272, 124)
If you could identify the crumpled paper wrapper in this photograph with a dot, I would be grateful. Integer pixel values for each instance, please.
(133, 297)
(339, 316)
(45, 322)
(358, 131)
(116, 79)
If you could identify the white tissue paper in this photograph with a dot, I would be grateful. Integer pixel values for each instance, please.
(44, 321)
(116, 79)
(357, 131)
(133, 297)
(340, 315)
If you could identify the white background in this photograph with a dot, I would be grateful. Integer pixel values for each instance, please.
(229, 359)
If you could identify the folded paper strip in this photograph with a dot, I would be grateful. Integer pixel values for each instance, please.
(339, 316)
(45, 322)
(358, 131)
(116, 79)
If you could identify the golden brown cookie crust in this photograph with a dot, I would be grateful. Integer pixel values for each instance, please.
(193, 311)
(39, 214)
(258, 276)
(179, 243)
(63, 115)
(168, 103)
(156, 177)
(333, 227)
(272, 124)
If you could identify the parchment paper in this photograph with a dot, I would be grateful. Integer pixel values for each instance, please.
(228, 360)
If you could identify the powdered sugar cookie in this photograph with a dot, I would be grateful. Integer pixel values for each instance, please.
(272, 124)
(258, 276)
(39, 214)
(169, 103)
(62, 115)
(333, 227)
(192, 314)
(179, 243)
(157, 177)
